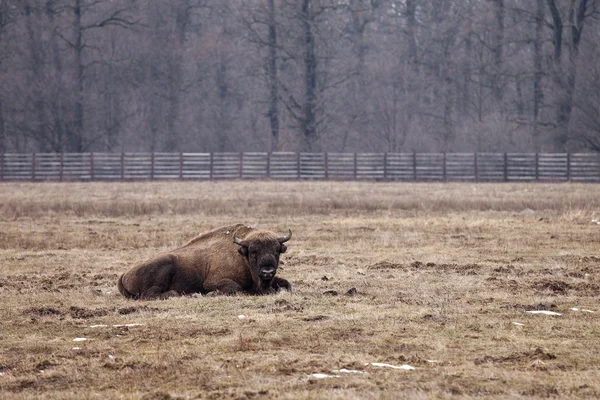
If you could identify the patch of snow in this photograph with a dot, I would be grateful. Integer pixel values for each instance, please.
(518, 324)
(241, 316)
(127, 325)
(543, 312)
(98, 326)
(433, 361)
(349, 371)
(582, 310)
(595, 221)
(76, 348)
(323, 376)
(1, 373)
(80, 339)
(383, 365)
(111, 356)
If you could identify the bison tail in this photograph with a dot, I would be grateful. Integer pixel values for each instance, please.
(124, 291)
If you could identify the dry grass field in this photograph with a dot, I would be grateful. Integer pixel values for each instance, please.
(444, 277)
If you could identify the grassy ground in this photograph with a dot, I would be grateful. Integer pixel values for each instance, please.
(444, 277)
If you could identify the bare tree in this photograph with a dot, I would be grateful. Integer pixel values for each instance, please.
(263, 26)
(572, 16)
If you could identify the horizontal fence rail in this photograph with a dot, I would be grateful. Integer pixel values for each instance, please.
(423, 167)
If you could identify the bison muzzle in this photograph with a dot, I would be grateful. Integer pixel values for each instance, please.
(226, 260)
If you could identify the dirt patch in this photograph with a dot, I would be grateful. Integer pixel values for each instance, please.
(86, 313)
(508, 269)
(314, 318)
(158, 396)
(386, 265)
(136, 309)
(526, 357)
(530, 307)
(56, 283)
(552, 285)
(282, 305)
(586, 288)
(45, 365)
(463, 269)
(509, 284)
(54, 382)
(561, 287)
(43, 312)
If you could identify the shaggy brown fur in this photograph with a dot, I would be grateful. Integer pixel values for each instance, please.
(226, 260)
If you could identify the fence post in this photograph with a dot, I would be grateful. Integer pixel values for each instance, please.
(91, 165)
(211, 166)
(32, 167)
(385, 172)
(355, 166)
(537, 167)
(475, 168)
(152, 166)
(568, 166)
(268, 165)
(444, 175)
(122, 166)
(298, 164)
(1, 166)
(414, 166)
(241, 174)
(505, 167)
(326, 166)
(180, 165)
(60, 176)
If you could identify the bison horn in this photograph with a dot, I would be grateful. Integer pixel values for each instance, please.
(286, 237)
(239, 241)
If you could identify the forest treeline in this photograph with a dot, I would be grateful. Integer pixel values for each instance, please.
(299, 75)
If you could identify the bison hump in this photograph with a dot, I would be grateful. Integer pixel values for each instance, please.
(240, 231)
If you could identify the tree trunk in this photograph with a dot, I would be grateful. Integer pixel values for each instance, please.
(2, 130)
(76, 133)
(499, 51)
(538, 91)
(565, 71)
(272, 77)
(309, 121)
(224, 121)
(36, 129)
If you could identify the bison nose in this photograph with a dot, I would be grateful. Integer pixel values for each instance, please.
(267, 272)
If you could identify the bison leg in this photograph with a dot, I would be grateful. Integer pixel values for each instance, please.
(225, 286)
(153, 280)
(157, 292)
(280, 283)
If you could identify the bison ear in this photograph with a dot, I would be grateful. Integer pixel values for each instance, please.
(243, 251)
(283, 248)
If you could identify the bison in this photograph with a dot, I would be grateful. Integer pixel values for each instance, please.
(226, 260)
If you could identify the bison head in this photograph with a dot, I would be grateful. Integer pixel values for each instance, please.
(262, 250)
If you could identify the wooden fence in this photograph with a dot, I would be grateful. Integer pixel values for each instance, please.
(474, 167)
